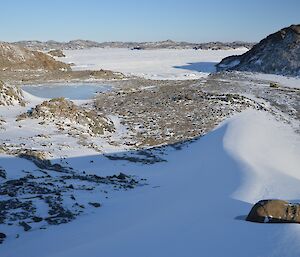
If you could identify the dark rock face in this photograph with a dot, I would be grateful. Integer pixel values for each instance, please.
(278, 53)
(274, 211)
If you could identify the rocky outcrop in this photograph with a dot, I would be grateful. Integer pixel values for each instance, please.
(274, 211)
(69, 116)
(14, 57)
(278, 53)
(10, 95)
(56, 53)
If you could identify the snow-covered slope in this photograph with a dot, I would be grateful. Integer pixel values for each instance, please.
(152, 64)
(194, 204)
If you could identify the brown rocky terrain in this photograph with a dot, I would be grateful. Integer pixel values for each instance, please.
(278, 53)
(14, 57)
(10, 95)
(43, 76)
(169, 112)
(68, 116)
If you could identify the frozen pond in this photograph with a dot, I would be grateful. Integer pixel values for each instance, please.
(71, 91)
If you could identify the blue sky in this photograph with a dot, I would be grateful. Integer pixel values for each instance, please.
(152, 20)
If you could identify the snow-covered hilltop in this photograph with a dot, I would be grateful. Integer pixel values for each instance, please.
(278, 53)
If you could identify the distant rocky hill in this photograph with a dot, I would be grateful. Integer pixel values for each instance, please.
(82, 44)
(278, 53)
(51, 45)
(13, 57)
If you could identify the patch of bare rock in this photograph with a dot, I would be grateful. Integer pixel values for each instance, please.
(56, 53)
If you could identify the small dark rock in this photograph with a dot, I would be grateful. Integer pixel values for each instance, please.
(25, 225)
(97, 205)
(37, 219)
(2, 173)
(122, 176)
(2, 237)
(71, 186)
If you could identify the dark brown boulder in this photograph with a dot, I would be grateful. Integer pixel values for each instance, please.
(274, 211)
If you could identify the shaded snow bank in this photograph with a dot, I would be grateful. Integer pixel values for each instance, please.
(193, 204)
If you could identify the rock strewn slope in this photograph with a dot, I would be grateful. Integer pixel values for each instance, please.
(14, 57)
(278, 53)
(69, 116)
(10, 95)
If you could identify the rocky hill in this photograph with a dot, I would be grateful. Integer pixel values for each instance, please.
(278, 53)
(169, 44)
(13, 57)
(51, 44)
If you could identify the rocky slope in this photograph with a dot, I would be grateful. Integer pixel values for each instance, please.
(10, 95)
(68, 116)
(278, 53)
(14, 57)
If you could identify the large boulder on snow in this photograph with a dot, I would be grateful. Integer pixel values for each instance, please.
(13, 57)
(278, 53)
(274, 211)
